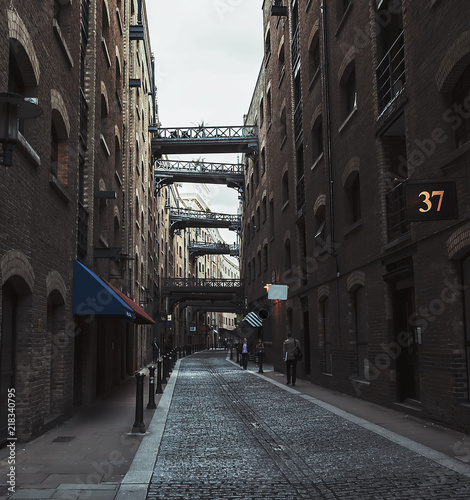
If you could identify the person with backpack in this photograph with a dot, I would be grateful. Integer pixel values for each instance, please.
(291, 354)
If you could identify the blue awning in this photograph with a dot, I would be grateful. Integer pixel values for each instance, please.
(93, 295)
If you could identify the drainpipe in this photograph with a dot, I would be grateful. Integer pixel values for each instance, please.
(326, 90)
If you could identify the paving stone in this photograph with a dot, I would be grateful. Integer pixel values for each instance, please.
(230, 434)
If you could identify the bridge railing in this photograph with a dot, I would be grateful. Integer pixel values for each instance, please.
(185, 213)
(201, 283)
(242, 132)
(199, 166)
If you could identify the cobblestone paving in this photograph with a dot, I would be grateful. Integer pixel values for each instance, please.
(231, 435)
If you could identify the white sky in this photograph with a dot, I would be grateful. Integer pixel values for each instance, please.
(208, 55)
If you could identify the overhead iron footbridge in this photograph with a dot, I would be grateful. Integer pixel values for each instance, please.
(183, 217)
(205, 294)
(188, 140)
(169, 171)
(197, 248)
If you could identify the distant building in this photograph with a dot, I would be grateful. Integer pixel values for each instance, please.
(363, 108)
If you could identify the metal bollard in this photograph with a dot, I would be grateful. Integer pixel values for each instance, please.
(139, 425)
(159, 377)
(164, 370)
(151, 404)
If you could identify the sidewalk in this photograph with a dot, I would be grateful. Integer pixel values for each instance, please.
(94, 455)
(84, 458)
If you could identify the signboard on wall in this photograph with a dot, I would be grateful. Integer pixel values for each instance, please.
(427, 201)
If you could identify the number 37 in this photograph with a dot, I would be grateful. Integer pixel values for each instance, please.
(427, 200)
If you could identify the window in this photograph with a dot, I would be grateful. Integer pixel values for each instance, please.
(261, 111)
(314, 58)
(59, 148)
(285, 188)
(264, 210)
(317, 139)
(350, 92)
(262, 162)
(268, 107)
(265, 257)
(325, 332)
(361, 333)
(466, 298)
(461, 95)
(282, 63)
(283, 125)
(287, 256)
(267, 47)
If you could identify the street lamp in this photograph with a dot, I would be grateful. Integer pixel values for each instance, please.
(13, 107)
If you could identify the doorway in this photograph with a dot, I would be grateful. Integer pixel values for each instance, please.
(407, 364)
(7, 354)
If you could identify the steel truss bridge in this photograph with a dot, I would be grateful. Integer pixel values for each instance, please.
(187, 140)
(183, 217)
(169, 171)
(204, 294)
(197, 248)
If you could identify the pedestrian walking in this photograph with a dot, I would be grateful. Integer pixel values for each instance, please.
(156, 350)
(260, 354)
(288, 348)
(244, 351)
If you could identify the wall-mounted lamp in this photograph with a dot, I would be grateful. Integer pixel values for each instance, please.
(13, 107)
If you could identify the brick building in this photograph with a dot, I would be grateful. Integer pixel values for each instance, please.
(77, 206)
(363, 112)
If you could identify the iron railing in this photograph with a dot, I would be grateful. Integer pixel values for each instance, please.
(295, 47)
(82, 236)
(241, 132)
(185, 213)
(201, 283)
(298, 121)
(391, 73)
(397, 224)
(198, 166)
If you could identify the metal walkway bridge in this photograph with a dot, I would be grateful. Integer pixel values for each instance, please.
(205, 294)
(183, 217)
(187, 140)
(197, 248)
(166, 172)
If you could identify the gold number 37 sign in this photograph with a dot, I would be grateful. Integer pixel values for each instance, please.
(426, 201)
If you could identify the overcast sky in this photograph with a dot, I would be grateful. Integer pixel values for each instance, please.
(208, 55)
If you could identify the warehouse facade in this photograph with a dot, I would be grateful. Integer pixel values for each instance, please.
(359, 202)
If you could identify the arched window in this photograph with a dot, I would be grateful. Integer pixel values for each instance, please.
(461, 95)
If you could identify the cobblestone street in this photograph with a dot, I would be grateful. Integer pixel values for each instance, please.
(232, 434)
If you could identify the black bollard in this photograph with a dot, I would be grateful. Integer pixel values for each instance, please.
(159, 377)
(164, 369)
(151, 404)
(139, 425)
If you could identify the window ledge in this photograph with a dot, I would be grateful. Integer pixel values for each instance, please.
(343, 19)
(106, 52)
(57, 186)
(283, 142)
(352, 227)
(105, 146)
(397, 241)
(357, 380)
(28, 151)
(317, 161)
(347, 120)
(445, 163)
(62, 42)
(286, 204)
(314, 79)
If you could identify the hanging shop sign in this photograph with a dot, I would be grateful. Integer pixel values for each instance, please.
(427, 201)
